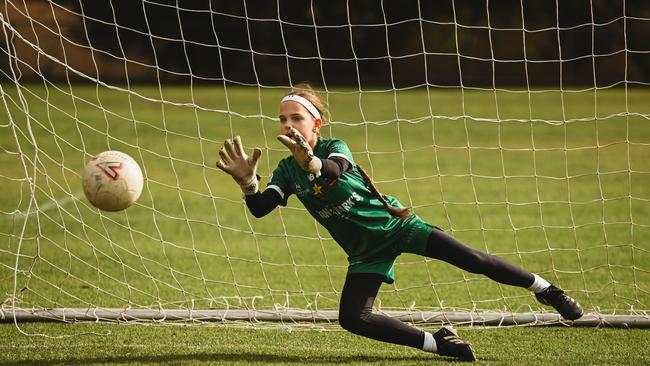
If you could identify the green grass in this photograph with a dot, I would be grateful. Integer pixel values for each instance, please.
(149, 345)
(570, 201)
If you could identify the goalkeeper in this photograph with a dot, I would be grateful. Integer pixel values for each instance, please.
(373, 229)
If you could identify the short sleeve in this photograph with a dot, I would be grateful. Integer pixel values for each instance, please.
(338, 148)
(279, 182)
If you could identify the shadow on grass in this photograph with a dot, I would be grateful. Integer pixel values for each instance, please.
(242, 357)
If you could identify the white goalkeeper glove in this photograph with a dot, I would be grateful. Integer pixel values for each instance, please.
(240, 166)
(302, 152)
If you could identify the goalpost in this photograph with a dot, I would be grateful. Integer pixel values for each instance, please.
(521, 128)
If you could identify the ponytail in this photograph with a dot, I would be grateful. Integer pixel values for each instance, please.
(398, 212)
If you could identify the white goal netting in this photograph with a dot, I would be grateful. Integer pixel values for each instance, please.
(520, 127)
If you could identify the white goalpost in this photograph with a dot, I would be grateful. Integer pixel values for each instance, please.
(521, 128)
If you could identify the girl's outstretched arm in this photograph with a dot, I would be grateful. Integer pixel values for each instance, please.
(260, 204)
(334, 167)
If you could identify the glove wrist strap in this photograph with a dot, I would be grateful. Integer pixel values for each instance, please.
(251, 187)
(315, 166)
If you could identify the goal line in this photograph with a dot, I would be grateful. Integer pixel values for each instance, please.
(484, 318)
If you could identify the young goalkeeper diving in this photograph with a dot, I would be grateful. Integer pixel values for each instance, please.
(372, 228)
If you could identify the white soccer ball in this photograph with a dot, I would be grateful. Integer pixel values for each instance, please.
(112, 181)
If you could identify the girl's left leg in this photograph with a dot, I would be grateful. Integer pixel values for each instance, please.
(446, 248)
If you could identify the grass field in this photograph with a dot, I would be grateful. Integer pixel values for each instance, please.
(154, 345)
(568, 200)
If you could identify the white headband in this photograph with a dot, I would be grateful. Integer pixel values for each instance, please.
(304, 102)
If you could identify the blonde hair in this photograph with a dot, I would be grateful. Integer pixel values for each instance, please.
(399, 212)
(305, 90)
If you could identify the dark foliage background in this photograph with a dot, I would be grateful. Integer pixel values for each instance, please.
(368, 42)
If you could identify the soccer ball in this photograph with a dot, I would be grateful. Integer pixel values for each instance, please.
(112, 181)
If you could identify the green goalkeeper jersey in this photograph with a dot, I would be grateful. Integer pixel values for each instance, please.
(355, 218)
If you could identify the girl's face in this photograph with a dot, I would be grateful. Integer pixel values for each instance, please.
(293, 114)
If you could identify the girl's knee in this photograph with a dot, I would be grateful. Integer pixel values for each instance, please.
(352, 321)
(477, 262)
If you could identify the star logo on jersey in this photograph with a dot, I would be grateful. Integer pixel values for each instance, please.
(318, 190)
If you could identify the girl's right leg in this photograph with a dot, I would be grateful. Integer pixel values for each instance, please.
(355, 315)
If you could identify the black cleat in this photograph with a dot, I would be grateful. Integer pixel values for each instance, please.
(563, 303)
(449, 344)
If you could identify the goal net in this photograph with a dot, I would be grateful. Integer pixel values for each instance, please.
(519, 127)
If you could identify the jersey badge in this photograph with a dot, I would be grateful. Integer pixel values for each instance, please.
(318, 190)
(300, 191)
